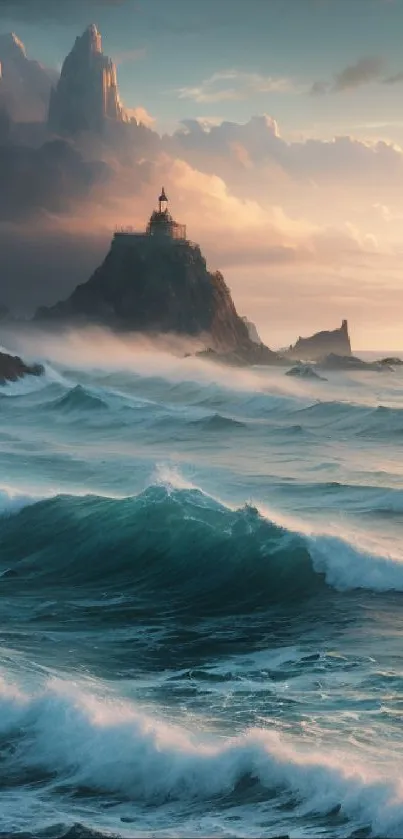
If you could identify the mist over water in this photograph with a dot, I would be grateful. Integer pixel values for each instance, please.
(201, 575)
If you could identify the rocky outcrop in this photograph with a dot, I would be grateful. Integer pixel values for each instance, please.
(350, 362)
(304, 371)
(87, 93)
(159, 286)
(335, 341)
(25, 84)
(244, 356)
(13, 368)
(392, 361)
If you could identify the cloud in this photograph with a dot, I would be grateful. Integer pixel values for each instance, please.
(47, 180)
(235, 84)
(25, 84)
(258, 145)
(141, 115)
(366, 70)
(239, 231)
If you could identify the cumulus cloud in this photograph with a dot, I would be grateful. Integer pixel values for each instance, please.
(141, 115)
(239, 231)
(235, 84)
(25, 84)
(377, 165)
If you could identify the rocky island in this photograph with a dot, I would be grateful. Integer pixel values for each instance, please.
(156, 282)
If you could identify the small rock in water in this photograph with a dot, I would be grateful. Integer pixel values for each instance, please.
(304, 371)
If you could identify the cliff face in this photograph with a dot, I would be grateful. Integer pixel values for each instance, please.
(87, 92)
(157, 287)
(336, 341)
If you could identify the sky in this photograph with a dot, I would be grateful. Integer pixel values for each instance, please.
(284, 149)
(168, 51)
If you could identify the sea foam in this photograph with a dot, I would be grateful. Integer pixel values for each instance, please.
(110, 746)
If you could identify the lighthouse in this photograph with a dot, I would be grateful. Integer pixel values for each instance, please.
(162, 224)
(161, 228)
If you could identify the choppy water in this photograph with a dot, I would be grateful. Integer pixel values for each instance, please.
(201, 600)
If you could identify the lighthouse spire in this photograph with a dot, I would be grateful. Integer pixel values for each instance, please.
(163, 201)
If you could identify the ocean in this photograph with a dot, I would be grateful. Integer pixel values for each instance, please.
(201, 620)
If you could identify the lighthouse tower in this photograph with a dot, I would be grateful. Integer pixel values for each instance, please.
(161, 228)
(162, 224)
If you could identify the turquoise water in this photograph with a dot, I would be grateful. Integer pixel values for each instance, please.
(201, 599)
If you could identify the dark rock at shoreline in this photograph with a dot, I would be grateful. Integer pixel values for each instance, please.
(304, 371)
(393, 361)
(334, 342)
(349, 362)
(13, 368)
(244, 356)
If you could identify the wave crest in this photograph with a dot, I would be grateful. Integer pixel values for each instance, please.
(107, 746)
(185, 549)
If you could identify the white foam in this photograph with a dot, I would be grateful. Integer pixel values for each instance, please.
(167, 475)
(346, 566)
(112, 747)
(348, 557)
(12, 501)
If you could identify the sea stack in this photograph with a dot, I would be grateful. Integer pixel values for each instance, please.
(156, 282)
(334, 342)
(87, 92)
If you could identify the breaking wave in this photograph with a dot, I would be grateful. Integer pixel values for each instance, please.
(103, 745)
(185, 548)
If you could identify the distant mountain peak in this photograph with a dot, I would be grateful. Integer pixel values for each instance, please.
(87, 93)
(90, 39)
